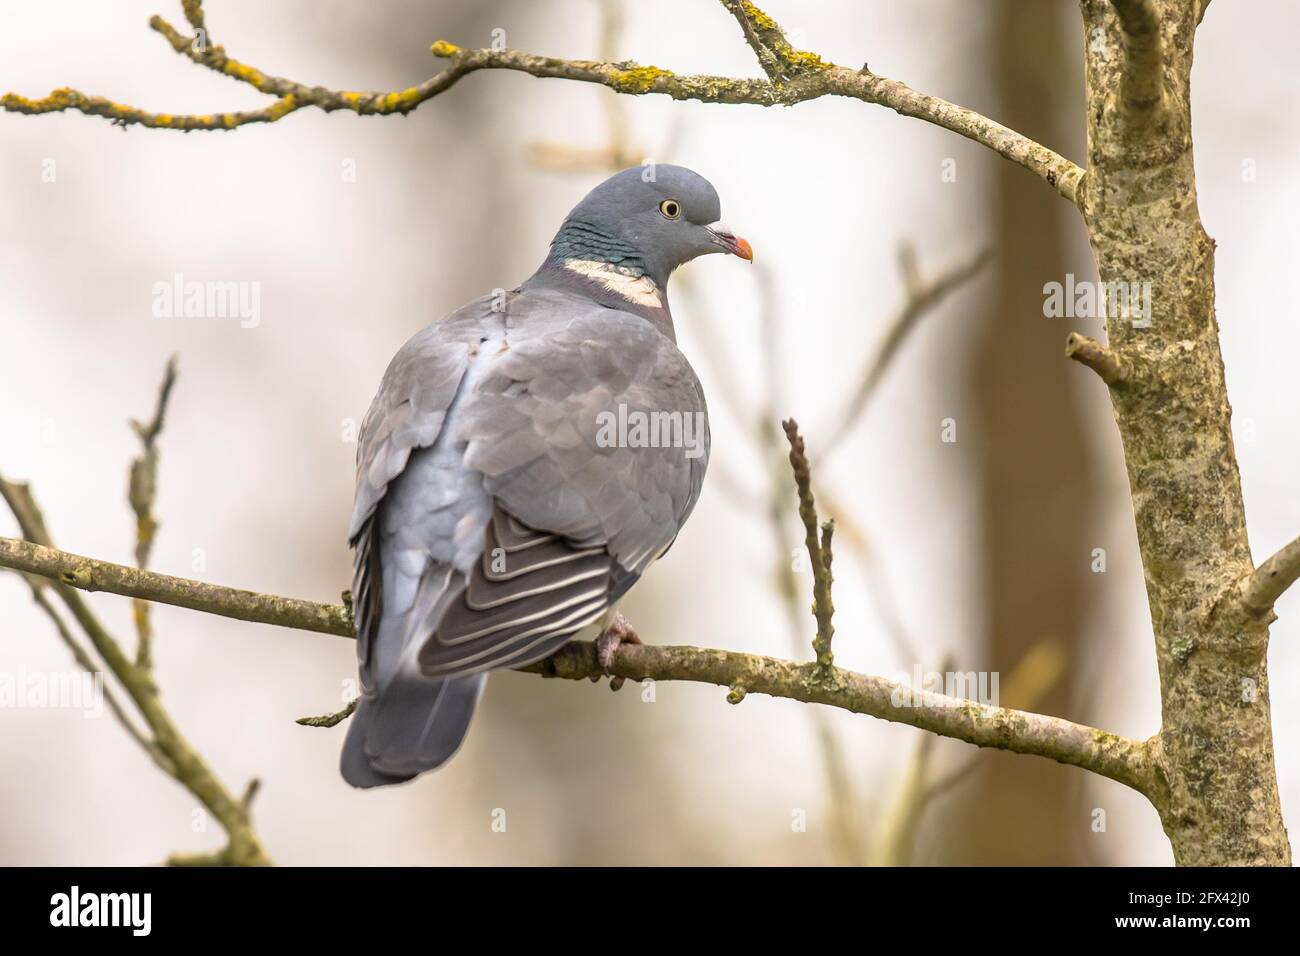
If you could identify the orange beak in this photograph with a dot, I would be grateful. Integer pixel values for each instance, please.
(731, 242)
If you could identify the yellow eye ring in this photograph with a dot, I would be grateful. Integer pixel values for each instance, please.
(670, 209)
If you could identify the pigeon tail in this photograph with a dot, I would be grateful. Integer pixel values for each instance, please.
(411, 725)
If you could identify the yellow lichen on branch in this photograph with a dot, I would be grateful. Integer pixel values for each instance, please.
(793, 76)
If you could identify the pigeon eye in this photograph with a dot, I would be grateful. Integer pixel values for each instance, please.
(670, 209)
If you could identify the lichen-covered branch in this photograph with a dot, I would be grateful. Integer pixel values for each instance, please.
(66, 98)
(91, 574)
(1057, 171)
(1118, 758)
(980, 724)
(781, 61)
(794, 76)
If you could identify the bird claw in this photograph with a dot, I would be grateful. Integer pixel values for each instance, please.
(607, 644)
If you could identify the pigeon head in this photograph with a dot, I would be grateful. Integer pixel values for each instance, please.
(635, 228)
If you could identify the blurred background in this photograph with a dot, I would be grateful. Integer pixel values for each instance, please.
(975, 554)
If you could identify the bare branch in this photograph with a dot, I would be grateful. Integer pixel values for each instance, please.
(625, 77)
(819, 552)
(1261, 589)
(1102, 360)
(844, 830)
(1121, 759)
(1057, 171)
(142, 489)
(799, 76)
(90, 574)
(330, 720)
(1107, 754)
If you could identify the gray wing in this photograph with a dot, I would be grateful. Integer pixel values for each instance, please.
(491, 520)
(407, 415)
(580, 509)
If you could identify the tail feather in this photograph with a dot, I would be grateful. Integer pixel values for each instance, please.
(354, 764)
(405, 723)
(413, 726)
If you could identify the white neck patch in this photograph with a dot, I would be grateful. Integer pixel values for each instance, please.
(639, 289)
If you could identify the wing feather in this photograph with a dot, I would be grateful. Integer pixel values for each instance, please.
(575, 520)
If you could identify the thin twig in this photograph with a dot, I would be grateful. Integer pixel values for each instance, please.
(845, 830)
(818, 551)
(1110, 368)
(142, 490)
(802, 76)
(330, 720)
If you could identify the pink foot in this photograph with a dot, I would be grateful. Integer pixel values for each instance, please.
(619, 632)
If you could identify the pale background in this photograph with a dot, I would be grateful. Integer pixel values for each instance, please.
(446, 206)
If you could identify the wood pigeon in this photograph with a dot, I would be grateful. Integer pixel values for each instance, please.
(525, 460)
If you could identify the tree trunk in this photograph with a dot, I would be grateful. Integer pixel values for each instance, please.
(1217, 793)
